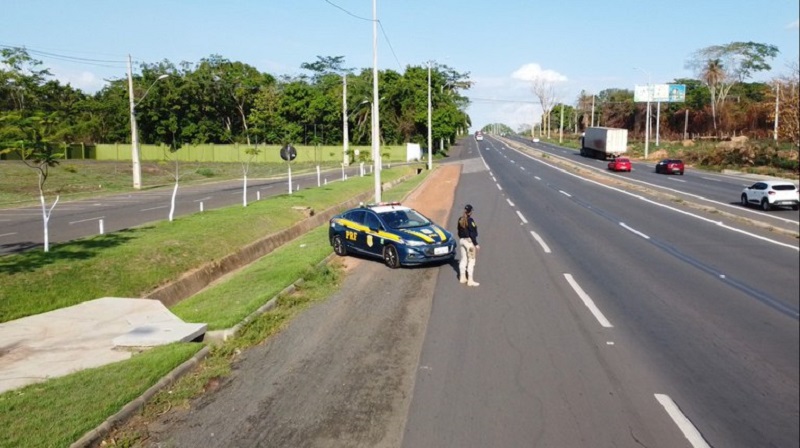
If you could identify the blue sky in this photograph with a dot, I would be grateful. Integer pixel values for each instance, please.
(585, 44)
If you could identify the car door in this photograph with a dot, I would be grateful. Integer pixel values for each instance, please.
(756, 192)
(354, 237)
(373, 243)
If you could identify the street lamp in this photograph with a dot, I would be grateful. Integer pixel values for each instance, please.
(376, 138)
(647, 125)
(137, 167)
(430, 137)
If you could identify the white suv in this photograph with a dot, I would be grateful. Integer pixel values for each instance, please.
(771, 193)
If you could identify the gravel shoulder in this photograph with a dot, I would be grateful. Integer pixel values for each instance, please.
(340, 374)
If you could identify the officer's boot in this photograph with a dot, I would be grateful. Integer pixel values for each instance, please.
(471, 282)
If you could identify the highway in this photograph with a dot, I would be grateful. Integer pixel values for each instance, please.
(22, 228)
(606, 317)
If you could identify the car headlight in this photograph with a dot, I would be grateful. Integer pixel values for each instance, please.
(414, 243)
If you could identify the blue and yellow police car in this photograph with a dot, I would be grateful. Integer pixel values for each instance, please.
(399, 235)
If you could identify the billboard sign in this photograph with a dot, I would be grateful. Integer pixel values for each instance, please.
(665, 93)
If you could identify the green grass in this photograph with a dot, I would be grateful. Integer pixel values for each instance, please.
(61, 410)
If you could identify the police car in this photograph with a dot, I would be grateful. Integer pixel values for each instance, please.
(399, 235)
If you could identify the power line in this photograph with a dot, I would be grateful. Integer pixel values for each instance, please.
(67, 58)
(383, 30)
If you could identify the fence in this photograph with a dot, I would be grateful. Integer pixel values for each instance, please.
(220, 153)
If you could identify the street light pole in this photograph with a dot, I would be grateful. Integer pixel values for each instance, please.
(345, 119)
(647, 126)
(430, 138)
(376, 153)
(137, 166)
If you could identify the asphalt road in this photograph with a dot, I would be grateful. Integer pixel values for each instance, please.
(605, 317)
(22, 228)
(617, 322)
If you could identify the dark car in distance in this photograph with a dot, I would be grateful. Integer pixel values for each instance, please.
(399, 235)
(670, 166)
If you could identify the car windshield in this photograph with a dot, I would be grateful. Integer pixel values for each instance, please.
(404, 219)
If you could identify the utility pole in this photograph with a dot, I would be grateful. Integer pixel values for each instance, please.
(777, 100)
(376, 138)
(345, 119)
(561, 126)
(430, 134)
(658, 120)
(137, 167)
(592, 110)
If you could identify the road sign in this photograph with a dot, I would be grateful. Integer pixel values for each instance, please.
(288, 153)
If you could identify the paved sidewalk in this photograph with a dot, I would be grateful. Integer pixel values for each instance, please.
(90, 334)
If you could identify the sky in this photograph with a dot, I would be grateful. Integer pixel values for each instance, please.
(579, 45)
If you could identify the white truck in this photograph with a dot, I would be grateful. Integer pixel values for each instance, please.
(602, 143)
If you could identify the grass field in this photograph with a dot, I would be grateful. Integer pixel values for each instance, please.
(59, 411)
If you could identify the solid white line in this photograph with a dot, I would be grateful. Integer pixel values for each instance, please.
(684, 424)
(87, 219)
(683, 212)
(541, 242)
(8, 234)
(153, 208)
(588, 302)
(499, 187)
(509, 202)
(565, 193)
(635, 231)
(522, 217)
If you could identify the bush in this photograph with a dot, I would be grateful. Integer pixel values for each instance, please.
(205, 172)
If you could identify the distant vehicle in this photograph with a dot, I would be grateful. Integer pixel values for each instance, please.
(770, 194)
(602, 143)
(478, 135)
(399, 235)
(620, 164)
(670, 166)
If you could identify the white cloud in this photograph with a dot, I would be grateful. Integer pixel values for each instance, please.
(532, 71)
(794, 25)
(86, 81)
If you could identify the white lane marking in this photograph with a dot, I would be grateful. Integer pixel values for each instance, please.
(87, 219)
(676, 180)
(541, 242)
(537, 177)
(152, 208)
(522, 168)
(499, 187)
(684, 212)
(710, 178)
(8, 234)
(634, 231)
(661, 187)
(522, 217)
(588, 302)
(509, 202)
(512, 161)
(494, 179)
(684, 424)
(204, 199)
(565, 193)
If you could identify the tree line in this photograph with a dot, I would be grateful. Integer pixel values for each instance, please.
(223, 102)
(719, 102)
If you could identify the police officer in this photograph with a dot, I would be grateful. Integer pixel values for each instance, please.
(468, 242)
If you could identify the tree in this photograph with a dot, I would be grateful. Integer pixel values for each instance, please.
(29, 137)
(722, 66)
(543, 90)
(787, 87)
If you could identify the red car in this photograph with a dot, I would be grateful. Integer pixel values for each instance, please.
(620, 164)
(670, 166)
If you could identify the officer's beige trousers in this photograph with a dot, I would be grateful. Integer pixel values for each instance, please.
(466, 265)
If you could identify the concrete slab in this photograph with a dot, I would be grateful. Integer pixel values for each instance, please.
(91, 334)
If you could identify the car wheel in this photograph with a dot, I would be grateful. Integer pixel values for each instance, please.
(744, 200)
(681, 173)
(338, 246)
(765, 205)
(794, 207)
(390, 257)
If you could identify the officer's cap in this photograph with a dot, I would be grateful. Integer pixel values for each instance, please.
(468, 208)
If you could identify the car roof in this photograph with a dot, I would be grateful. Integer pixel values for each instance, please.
(778, 182)
(387, 208)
